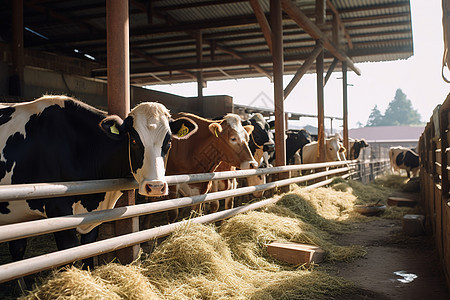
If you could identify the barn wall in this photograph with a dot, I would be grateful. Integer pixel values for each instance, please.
(434, 151)
(38, 81)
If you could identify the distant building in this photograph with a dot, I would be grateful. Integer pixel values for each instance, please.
(387, 133)
(381, 138)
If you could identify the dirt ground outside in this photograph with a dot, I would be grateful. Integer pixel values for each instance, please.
(396, 266)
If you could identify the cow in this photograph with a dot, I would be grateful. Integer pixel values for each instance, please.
(355, 147)
(404, 158)
(59, 138)
(261, 144)
(295, 142)
(211, 142)
(333, 151)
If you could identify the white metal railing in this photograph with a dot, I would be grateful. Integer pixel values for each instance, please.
(59, 189)
(33, 191)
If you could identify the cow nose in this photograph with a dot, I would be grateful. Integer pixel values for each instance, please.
(154, 188)
(249, 165)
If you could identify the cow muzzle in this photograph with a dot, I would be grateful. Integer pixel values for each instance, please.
(153, 188)
(252, 164)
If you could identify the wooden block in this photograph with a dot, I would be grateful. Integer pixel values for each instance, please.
(400, 201)
(296, 254)
(413, 225)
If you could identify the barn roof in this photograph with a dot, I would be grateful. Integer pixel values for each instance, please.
(387, 133)
(163, 36)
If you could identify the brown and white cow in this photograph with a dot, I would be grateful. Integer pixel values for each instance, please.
(211, 142)
(333, 150)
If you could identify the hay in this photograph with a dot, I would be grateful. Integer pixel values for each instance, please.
(127, 281)
(72, 284)
(302, 285)
(395, 212)
(378, 190)
(248, 234)
(195, 263)
(206, 268)
(199, 262)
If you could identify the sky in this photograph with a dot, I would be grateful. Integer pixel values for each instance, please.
(419, 77)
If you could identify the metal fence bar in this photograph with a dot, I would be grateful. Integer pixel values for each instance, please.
(35, 264)
(44, 226)
(58, 189)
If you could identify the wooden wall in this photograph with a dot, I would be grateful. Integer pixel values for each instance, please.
(434, 151)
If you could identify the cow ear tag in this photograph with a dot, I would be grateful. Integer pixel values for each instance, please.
(215, 131)
(183, 131)
(114, 129)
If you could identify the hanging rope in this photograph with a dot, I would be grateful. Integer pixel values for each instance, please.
(446, 31)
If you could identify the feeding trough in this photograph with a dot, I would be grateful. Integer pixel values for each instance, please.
(370, 209)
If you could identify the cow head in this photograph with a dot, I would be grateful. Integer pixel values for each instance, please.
(335, 151)
(261, 142)
(148, 129)
(233, 139)
(355, 149)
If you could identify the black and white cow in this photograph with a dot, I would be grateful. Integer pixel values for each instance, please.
(261, 146)
(404, 158)
(58, 138)
(295, 141)
(355, 147)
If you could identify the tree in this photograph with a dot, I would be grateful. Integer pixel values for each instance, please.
(399, 112)
(375, 117)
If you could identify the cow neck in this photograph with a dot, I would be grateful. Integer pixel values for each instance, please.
(116, 162)
(98, 155)
(253, 145)
(209, 153)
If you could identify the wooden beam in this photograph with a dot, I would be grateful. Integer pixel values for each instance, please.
(339, 23)
(17, 50)
(199, 50)
(216, 45)
(320, 20)
(263, 23)
(157, 62)
(313, 30)
(117, 28)
(345, 106)
(330, 70)
(303, 69)
(277, 43)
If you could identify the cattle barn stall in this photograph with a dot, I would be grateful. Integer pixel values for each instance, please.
(96, 51)
(434, 151)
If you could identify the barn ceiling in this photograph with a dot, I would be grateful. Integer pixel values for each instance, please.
(164, 34)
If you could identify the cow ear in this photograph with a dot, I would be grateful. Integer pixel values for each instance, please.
(215, 129)
(113, 127)
(249, 128)
(182, 128)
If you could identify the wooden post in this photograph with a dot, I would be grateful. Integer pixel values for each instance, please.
(320, 19)
(17, 50)
(278, 70)
(118, 72)
(345, 106)
(277, 47)
(199, 47)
